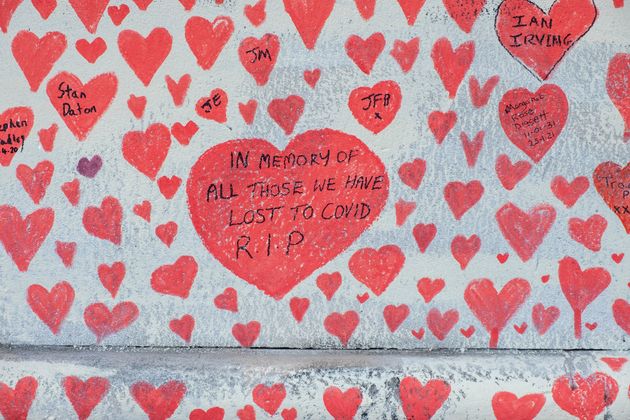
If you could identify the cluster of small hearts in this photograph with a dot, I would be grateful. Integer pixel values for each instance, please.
(582, 397)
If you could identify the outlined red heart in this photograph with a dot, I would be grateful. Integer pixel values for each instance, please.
(507, 406)
(103, 322)
(452, 64)
(534, 121)
(377, 268)
(375, 107)
(269, 398)
(105, 222)
(268, 240)
(259, 56)
(525, 231)
(22, 238)
(146, 151)
(175, 279)
(158, 403)
(80, 105)
(342, 405)
(85, 395)
(51, 307)
(539, 40)
(618, 88)
(145, 55)
(422, 402)
(612, 182)
(494, 309)
(207, 39)
(582, 397)
(309, 17)
(15, 403)
(90, 12)
(37, 56)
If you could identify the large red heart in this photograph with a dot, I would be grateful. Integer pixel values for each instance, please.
(537, 39)
(452, 65)
(585, 398)
(269, 398)
(90, 12)
(85, 395)
(22, 238)
(37, 56)
(15, 125)
(464, 13)
(52, 307)
(16, 403)
(618, 88)
(375, 107)
(612, 182)
(422, 402)
(494, 309)
(507, 406)
(581, 287)
(146, 151)
(103, 322)
(145, 55)
(259, 56)
(533, 121)
(309, 17)
(525, 231)
(342, 404)
(326, 187)
(158, 403)
(206, 39)
(81, 106)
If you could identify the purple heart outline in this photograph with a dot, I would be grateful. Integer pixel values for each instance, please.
(90, 167)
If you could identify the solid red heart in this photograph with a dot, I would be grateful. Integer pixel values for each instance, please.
(472, 147)
(246, 334)
(146, 151)
(91, 51)
(183, 327)
(363, 297)
(145, 55)
(214, 106)
(502, 258)
(464, 249)
(66, 251)
(479, 96)
(411, 173)
(424, 235)
(158, 403)
(298, 307)
(269, 398)
(178, 89)
(569, 192)
(422, 402)
(71, 191)
(534, 121)
(166, 232)
(223, 227)
(464, 13)
(618, 88)
(510, 174)
(47, 137)
(441, 324)
(105, 222)
(375, 107)
(213, 413)
(44, 7)
(81, 106)
(581, 287)
(615, 363)
(410, 9)
(520, 328)
(22, 238)
(169, 186)
(494, 309)
(364, 52)
(543, 317)
(90, 12)
(452, 65)
(525, 231)
(111, 276)
(588, 232)
(248, 111)
(103, 322)
(377, 268)
(365, 8)
(207, 39)
(539, 40)
(256, 13)
(6, 12)
(259, 56)
(621, 313)
(611, 182)
(441, 123)
(16, 123)
(183, 133)
(143, 4)
(286, 112)
(136, 105)
(16, 403)
(405, 53)
(37, 56)
(246, 413)
(430, 288)
(462, 197)
(590, 325)
(35, 181)
(51, 307)
(329, 283)
(309, 17)
(395, 316)
(175, 279)
(468, 332)
(507, 406)
(118, 13)
(403, 210)
(342, 405)
(85, 396)
(582, 397)
(312, 77)
(227, 300)
(342, 325)
(143, 210)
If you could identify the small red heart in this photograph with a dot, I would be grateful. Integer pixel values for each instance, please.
(342, 325)
(362, 298)
(590, 326)
(342, 404)
(441, 123)
(588, 232)
(213, 413)
(118, 13)
(246, 413)
(85, 396)
(269, 398)
(395, 316)
(507, 406)
(111, 276)
(461, 197)
(569, 192)
(419, 333)
(143, 210)
(214, 106)
(289, 414)
(472, 147)
(468, 332)
(183, 133)
(441, 324)
(91, 51)
(207, 39)
(169, 185)
(158, 403)
(424, 235)
(248, 111)
(136, 105)
(103, 322)
(365, 52)
(430, 288)
(452, 65)
(105, 222)
(166, 232)
(520, 328)
(256, 13)
(403, 210)
(377, 268)
(312, 77)
(44, 7)
(145, 55)
(47, 137)
(188, 4)
(246, 334)
(422, 402)
(615, 363)
(545, 278)
(502, 258)
(51, 307)
(178, 89)
(183, 327)
(405, 53)
(259, 56)
(286, 112)
(479, 96)
(227, 300)
(143, 4)
(617, 258)
(71, 191)
(329, 283)
(66, 251)
(543, 317)
(146, 151)
(175, 279)
(365, 8)
(383, 102)
(299, 306)
(411, 173)
(35, 181)
(511, 174)
(464, 249)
